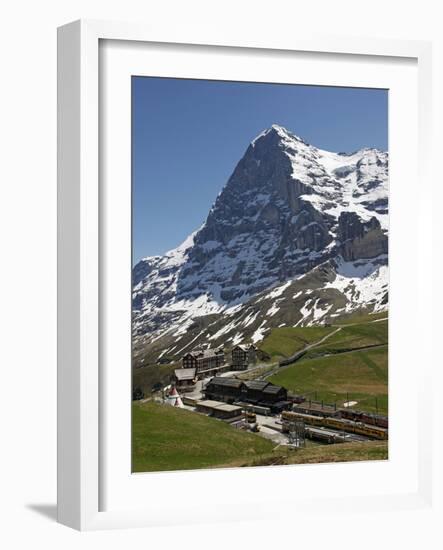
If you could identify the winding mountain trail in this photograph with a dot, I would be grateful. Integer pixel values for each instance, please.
(355, 324)
(293, 358)
(299, 354)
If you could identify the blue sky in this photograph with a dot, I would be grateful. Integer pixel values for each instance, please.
(188, 135)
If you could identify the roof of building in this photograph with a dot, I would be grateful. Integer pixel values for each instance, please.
(210, 403)
(227, 382)
(244, 347)
(185, 374)
(228, 408)
(254, 406)
(218, 405)
(256, 384)
(204, 353)
(271, 388)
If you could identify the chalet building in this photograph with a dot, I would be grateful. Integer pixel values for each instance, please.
(204, 361)
(185, 379)
(223, 389)
(243, 356)
(189, 361)
(274, 394)
(252, 390)
(257, 392)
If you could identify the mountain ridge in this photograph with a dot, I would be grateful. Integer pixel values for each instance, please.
(287, 208)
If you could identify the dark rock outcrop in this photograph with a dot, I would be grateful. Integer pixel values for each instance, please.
(358, 239)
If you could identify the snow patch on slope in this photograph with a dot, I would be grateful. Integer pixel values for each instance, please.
(259, 334)
(363, 283)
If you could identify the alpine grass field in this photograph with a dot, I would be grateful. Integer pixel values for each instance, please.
(284, 342)
(166, 438)
(350, 365)
(316, 454)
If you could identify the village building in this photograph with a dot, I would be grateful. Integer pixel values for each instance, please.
(253, 390)
(218, 409)
(205, 362)
(243, 356)
(257, 392)
(274, 394)
(223, 389)
(185, 379)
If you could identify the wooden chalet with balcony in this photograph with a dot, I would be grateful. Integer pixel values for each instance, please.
(243, 356)
(205, 362)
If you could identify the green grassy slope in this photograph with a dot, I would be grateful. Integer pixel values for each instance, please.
(284, 342)
(165, 438)
(358, 375)
(359, 317)
(340, 452)
(353, 337)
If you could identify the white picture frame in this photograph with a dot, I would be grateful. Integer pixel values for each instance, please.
(82, 396)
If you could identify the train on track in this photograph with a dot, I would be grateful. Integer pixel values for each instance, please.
(318, 408)
(365, 417)
(341, 424)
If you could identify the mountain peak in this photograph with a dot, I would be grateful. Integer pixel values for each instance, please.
(287, 208)
(276, 129)
(279, 129)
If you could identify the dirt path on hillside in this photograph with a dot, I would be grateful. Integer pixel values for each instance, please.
(360, 323)
(293, 358)
(299, 354)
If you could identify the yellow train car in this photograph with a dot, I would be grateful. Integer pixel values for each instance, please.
(356, 428)
(336, 423)
(372, 431)
(289, 416)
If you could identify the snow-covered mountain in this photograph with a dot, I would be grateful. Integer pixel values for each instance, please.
(296, 236)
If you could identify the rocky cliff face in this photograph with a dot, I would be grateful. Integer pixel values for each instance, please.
(287, 209)
(358, 239)
(260, 229)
